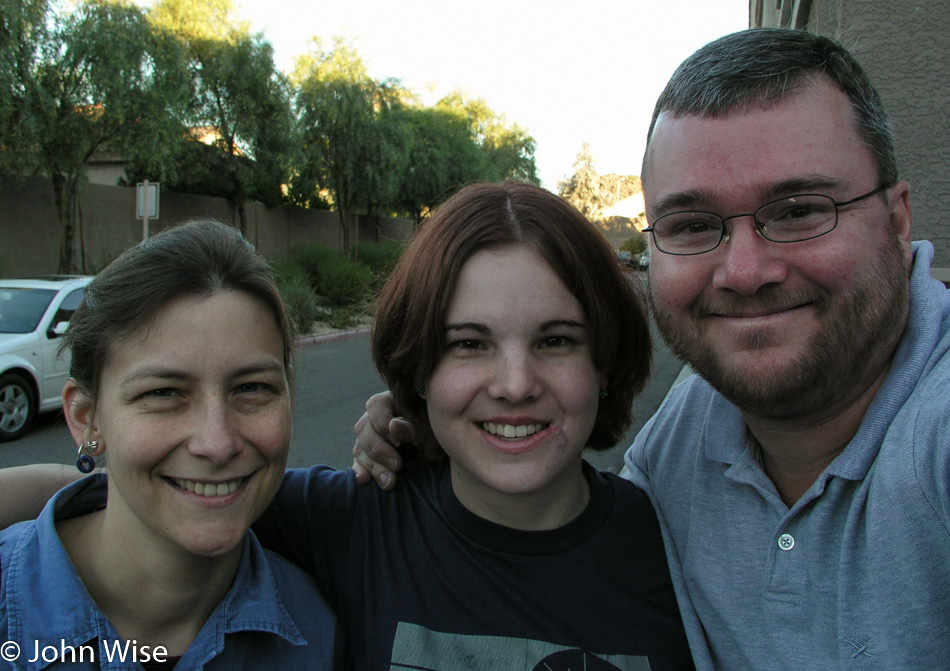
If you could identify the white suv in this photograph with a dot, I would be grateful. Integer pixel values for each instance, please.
(34, 313)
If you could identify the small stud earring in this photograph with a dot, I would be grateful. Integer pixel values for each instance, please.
(603, 393)
(422, 392)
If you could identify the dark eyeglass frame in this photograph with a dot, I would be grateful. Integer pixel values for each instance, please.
(760, 227)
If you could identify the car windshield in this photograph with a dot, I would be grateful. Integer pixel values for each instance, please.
(22, 308)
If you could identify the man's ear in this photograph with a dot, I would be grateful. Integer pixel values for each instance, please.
(80, 412)
(901, 218)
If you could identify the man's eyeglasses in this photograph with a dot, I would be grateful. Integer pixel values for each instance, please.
(791, 219)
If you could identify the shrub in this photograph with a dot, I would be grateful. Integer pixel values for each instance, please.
(344, 282)
(380, 257)
(335, 278)
(297, 294)
(301, 303)
(288, 272)
(635, 245)
(313, 259)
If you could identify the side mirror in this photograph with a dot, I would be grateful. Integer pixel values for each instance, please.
(58, 330)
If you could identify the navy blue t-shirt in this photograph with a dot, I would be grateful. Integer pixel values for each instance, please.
(419, 582)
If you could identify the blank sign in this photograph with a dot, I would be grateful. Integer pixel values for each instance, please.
(149, 189)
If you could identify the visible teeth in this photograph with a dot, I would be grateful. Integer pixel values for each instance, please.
(510, 430)
(209, 488)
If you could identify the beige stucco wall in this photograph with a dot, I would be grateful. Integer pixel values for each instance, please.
(30, 230)
(905, 47)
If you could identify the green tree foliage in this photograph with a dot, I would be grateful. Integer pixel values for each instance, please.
(591, 193)
(636, 244)
(509, 149)
(97, 78)
(352, 148)
(187, 96)
(335, 101)
(241, 106)
(22, 27)
(373, 150)
(443, 157)
(199, 20)
(582, 189)
(388, 154)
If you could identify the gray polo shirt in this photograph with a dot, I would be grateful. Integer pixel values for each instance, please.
(855, 575)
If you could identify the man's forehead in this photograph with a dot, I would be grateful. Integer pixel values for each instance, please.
(805, 138)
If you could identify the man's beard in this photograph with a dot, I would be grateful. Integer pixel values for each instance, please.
(858, 332)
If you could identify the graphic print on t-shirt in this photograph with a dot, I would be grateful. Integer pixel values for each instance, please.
(417, 648)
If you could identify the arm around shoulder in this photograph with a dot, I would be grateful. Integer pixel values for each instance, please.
(24, 490)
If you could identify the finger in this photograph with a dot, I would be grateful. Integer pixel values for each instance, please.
(371, 469)
(379, 412)
(363, 476)
(372, 450)
(402, 431)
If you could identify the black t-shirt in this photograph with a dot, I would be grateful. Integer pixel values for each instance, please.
(420, 582)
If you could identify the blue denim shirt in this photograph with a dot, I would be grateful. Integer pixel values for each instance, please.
(273, 617)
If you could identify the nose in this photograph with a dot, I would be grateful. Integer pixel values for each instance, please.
(747, 260)
(216, 436)
(515, 377)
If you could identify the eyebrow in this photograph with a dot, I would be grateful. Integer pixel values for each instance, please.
(543, 327)
(171, 374)
(704, 198)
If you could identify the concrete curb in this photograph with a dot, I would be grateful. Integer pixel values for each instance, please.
(307, 341)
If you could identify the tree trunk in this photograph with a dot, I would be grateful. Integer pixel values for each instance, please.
(241, 204)
(63, 199)
(345, 226)
(82, 233)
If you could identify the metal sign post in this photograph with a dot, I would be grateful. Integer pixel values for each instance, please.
(146, 203)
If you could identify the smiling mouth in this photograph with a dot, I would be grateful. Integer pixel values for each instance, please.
(758, 314)
(511, 430)
(208, 488)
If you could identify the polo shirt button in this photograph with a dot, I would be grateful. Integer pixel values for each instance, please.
(786, 541)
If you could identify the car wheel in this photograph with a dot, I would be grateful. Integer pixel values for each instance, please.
(17, 408)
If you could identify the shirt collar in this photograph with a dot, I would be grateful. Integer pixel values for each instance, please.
(47, 602)
(727, 439)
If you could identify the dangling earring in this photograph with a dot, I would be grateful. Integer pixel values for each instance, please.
(85, 463)
(603, 393)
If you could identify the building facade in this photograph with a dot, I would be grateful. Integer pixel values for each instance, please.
(905, 47)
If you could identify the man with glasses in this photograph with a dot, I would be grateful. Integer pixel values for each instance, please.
(802, 479)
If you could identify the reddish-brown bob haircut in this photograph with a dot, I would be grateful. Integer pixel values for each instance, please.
(409, 332)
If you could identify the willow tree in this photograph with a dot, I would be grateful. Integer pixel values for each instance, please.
(22, 29)
(99, 77)
(241, 103)
(337, 103)
(443, 157)
(509, 148)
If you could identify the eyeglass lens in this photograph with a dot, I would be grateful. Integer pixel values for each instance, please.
(790, 219)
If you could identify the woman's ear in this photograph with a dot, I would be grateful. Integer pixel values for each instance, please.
(80, 412)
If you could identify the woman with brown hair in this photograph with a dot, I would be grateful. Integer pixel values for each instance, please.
(513, 338)
(181, 376)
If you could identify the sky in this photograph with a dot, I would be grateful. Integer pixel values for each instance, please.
(569, 72)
